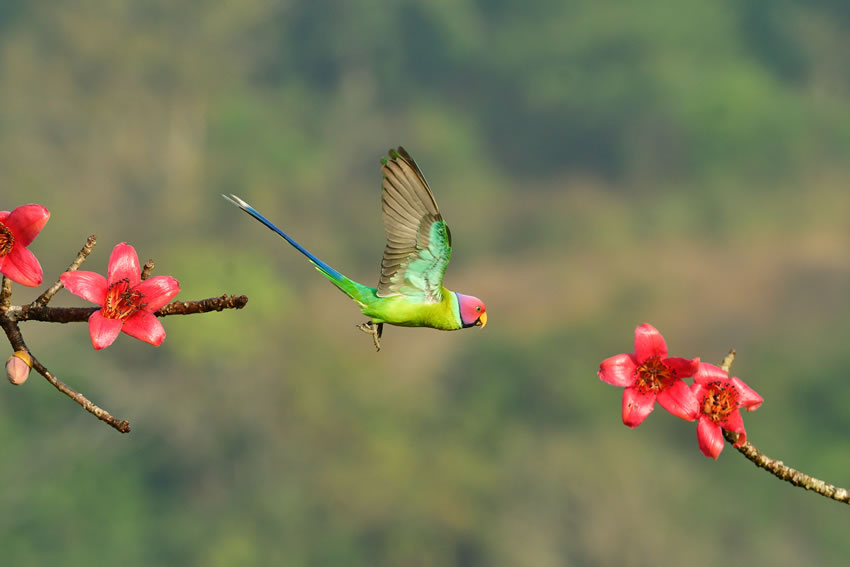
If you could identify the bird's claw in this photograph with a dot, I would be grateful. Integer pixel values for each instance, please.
(374, 329)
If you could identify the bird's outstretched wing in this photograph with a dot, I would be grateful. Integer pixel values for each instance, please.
(419, 244)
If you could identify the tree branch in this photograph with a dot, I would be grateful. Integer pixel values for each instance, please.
(48, 294)
(203, 305)
(783, 472)
(82, 314)
(16, 339)
(5, 294)
(779, 469)
(12, 315)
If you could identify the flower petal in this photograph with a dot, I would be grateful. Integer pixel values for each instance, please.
(103, 331)
(88, 285)
(20, 265)
(636, 406)
(748, 398)
(124, 263)
(682, 367)
(698, 390)
(158, 291)
(145, 327)
(735, 423)
(679, 400)
(26, 222)
(618, 370)
(709, 437)
(709, 373)
(649, 343)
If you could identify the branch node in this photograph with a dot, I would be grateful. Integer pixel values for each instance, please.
(147, 269)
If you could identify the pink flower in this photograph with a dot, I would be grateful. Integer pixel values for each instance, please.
(128, 303)
(649, 374)
(720, 399)
(17, 230)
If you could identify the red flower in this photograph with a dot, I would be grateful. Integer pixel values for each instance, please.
(128, 302)
(648, 374)
(720, 399)
(17, 231)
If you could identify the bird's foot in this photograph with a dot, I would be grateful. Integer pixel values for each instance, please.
(374, 329)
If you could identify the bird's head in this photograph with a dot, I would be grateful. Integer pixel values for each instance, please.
(472, 311)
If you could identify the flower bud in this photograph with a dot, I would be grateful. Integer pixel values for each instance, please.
(18, 367)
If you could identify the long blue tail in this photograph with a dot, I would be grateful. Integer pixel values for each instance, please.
(330, 272)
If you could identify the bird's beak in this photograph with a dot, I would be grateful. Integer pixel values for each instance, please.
(481, 320)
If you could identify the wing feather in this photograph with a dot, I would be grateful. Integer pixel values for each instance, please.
(418, 245)
(401, 213)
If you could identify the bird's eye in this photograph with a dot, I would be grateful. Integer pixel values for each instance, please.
(478, 308)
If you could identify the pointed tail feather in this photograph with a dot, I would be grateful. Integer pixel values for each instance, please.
(335, 276)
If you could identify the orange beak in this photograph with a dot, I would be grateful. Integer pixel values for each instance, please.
(481, 321)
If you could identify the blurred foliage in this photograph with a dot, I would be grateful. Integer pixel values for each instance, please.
(601, 165)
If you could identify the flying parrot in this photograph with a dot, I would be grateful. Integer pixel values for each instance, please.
(410, 291)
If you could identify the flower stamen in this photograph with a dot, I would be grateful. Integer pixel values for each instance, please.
(720, 400)
(7, 240)
(121, 302)
(654, 376)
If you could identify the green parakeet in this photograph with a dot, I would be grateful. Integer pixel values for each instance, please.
(410, 290)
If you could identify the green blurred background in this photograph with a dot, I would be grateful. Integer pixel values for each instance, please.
(601, 164)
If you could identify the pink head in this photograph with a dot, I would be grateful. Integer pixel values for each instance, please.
(472, 311)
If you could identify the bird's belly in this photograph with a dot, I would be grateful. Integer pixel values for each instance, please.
(404, 313)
